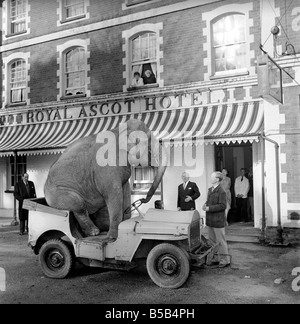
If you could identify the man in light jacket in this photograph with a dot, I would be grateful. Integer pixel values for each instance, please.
(241, 189)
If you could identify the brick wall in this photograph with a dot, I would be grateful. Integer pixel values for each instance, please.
(182, 34)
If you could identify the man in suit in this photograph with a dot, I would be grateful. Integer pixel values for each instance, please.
(188, 192)
(24, 190)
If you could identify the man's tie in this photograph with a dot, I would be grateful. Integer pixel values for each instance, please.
(27, 187)
(242, 179)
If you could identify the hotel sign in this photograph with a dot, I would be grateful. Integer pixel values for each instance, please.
(98, 109)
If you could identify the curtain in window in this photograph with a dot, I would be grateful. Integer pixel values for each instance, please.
(229, 42)
(144, 53)
(18, 81)
(18, 16)
(74, 8)
(75, 71)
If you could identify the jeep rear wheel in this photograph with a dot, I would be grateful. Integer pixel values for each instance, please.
(168, 266)
(56, 259)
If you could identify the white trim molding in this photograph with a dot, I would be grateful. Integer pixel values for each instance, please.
(6, 64)
(61, 49)
(127, 36)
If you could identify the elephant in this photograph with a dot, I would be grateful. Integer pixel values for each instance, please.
(91, 177)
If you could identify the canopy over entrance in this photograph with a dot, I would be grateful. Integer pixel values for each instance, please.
(222, 123)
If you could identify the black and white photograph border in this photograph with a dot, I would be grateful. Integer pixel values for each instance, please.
(149, 154)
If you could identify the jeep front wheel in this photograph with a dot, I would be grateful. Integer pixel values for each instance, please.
(168, 266)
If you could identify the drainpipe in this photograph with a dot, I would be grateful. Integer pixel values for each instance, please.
(263, 203)
(277, 159)
(15, 221)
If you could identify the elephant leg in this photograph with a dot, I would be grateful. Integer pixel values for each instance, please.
(126, 199)
(62, 198)
(115, 210)
(87, 226)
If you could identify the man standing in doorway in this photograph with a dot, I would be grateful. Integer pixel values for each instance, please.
(24, 190)
(241, 189)
(188, 192)
(215, 207)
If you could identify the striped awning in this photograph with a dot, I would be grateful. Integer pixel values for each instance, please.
(223, 123)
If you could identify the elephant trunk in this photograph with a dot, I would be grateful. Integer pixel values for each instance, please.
(159, 175)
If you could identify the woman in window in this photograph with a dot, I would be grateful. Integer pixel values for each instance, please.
(137, 80)
(149, 77)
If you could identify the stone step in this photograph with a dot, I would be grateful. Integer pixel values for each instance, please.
(242, 239)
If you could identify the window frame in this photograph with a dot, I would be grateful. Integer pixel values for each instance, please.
(130, 3)
(233, 72)
(134, 181)
(65, 19)
(65, 73)
(143, 61)
(24, 20)
(21, 161)
(10, 88)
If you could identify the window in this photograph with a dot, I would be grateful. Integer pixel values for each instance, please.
(142, 179)
(229, 44)
(134, 2)
(144, 57)
(18, 82)
(17, 16)
(21, 169)
(73, 9)
(75, 72)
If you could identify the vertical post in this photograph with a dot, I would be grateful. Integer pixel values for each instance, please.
(263, 225)
(15, 221)
(162, 179)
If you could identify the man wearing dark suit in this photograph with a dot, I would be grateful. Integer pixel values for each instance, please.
(24, 190)
(188, 192)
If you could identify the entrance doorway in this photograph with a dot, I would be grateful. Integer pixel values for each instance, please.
(234, 157)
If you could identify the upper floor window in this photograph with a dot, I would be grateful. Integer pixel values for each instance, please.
(229, 44)
(75, 72)
(18, 14)
(18, 82)
(134, 2)
(74, 8)
(144, 60)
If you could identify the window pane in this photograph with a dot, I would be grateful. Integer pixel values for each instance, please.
(74, 8)
(144, 47)
(18, 81)
(21, 169)
(75, 71)
(229, 42)
(18, 16)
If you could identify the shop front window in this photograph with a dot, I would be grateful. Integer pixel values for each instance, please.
(21, 169)
(144, 59)
(229, 44)
(142, 179)
(75, 72)
(18, 82)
